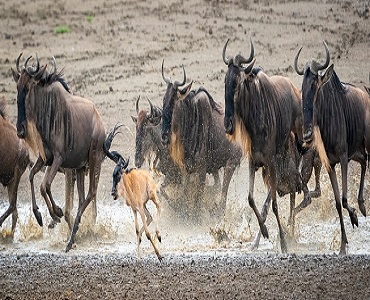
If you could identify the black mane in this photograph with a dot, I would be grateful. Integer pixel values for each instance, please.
(49, 78)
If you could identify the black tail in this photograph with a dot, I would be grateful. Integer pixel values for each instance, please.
(108, 142)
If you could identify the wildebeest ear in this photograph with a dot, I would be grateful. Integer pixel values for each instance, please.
(326, 76)
(185, 91)
(134, 119)
(16, 75)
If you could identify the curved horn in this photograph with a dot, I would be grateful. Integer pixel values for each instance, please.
(26, 62)
(226, 60)
(17, 62)
(326, 64)
(151, 108)
(155, 111)
(54, 66)
(299, 72)
(37, 64)
(243, 60)
(137, 105)
(166, 80)
(239, 59)
(176, 83)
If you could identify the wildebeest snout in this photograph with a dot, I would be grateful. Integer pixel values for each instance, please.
(21, 130)
(229, 125)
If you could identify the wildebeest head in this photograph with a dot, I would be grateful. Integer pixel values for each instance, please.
(312, 82)
(173, 94)
(143, 120)
(25, 79)
(235, 73)
(121, 166)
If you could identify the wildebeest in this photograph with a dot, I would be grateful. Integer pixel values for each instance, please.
(334, 116)
(64, 129)
(260, 113)
(137, 187)
(192, 127)
(14, 159)
(294, 170)
(148, 141)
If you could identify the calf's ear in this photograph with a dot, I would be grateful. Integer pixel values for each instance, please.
(134, 119)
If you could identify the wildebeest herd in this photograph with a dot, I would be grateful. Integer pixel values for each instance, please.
(283, 130)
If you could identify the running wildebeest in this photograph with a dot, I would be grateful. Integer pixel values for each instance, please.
(148, 141)
(14, 159)
(192, 127)
(64, 129)
(260, 113)
(294, 171)
(334, 116)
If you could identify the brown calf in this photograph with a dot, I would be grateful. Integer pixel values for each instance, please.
(137, 187)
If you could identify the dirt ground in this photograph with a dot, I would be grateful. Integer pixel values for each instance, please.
(111, 52)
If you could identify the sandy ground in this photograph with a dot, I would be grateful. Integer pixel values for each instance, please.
(112, 53)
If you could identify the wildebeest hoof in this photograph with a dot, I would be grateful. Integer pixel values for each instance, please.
(160, 257)
(59, 212)
(69, 246)
(353, 216)
(52, 224)
(38, 217)
(55, 218)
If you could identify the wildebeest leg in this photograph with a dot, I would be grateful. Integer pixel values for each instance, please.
(12, 197)
(34, 170)
(291, 215)
(351, 210)
(264, 212)
(142, 215)
(199, 194)
(228, 174)
(361, 158)
(94, 174)
(334, 183)
(312, 162)
(252, 204)
(275, 208)
(158, 206)
(149, 219)
(70, 179)
(55, 212)
(138, 235)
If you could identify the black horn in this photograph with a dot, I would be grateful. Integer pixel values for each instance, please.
(225, 59)
(326, 64)
(239, 59)
(54, 66)
(137, 105)
(26, 62)
(17, 62)
(166, 80)
(299, 72)
(177, 83)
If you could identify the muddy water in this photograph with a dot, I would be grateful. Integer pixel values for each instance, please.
(317, 228)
